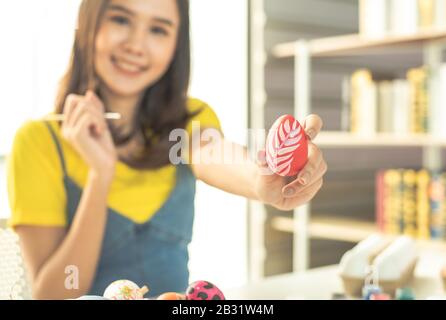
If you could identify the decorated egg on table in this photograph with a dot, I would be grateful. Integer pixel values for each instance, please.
(203, 290)
(125, 290)
(171, 296)
(286, 147)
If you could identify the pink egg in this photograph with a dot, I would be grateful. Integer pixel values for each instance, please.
(203, 290)
(286, 147)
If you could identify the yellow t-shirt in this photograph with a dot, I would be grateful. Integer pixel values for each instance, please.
(35, 185)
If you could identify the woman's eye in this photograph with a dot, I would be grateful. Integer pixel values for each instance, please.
(159, 31)
(120, 20)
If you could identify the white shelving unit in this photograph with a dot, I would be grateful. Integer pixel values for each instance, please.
(335, 139)
(355, 44)
(328, 227)
(432, 43)
(257, 212)
(344, 229)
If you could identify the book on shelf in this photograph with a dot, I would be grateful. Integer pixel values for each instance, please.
(426, 13)
(345, 107)
(409, 210)
(379, 18)
(403, 17)
(411, 202)
(419, 100)
(423, 204)
(440, 14)
(379, 199)
(398, 106)
(363, 103)
(438, 97)
(386, 117)
(401, 107)
(392, 202)
(374, 18)
(437, 197)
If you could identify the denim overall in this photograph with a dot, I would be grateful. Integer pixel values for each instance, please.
(154, 253)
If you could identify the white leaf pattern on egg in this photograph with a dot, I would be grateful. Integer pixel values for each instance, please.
(282, 134)
(286, 150)
(290, 142)
(277, 141)
(294, 133)
(284, 158)
(281, 146)
(287, 126)
(284, 168)
(272, 147)
(280, 160)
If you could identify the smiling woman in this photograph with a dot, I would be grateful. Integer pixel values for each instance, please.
(42, 60)
(128, 46)
(110, 194)
(44, 70)
(101, 196)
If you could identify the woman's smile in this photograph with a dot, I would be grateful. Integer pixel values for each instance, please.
(127, 67)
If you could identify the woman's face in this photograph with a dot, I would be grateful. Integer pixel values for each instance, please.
(135, 44)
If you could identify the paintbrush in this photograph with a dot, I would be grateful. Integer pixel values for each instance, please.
(61, 117)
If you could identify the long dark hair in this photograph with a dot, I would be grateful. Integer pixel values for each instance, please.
(164, 104)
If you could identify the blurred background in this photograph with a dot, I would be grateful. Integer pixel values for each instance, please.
(372, 69)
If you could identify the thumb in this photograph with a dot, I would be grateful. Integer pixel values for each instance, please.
(261, 158)
(262, 164)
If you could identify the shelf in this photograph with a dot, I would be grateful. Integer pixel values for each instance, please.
(345, 139)
(344, 229)
(355, 44)
(332, 228)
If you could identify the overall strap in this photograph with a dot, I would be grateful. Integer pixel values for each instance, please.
(59, 148)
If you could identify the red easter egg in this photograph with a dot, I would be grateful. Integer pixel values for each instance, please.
(286, 147)
(203, 290)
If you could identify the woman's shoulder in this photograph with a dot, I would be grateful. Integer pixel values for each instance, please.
(32, 136)
(33, 162)
(194, 104)
(205, 114)
(35, 130)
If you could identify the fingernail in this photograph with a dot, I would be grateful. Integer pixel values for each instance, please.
(311, 133)
(289, 192)
(304, 178)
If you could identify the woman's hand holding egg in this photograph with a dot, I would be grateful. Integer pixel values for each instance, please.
(292, 166)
